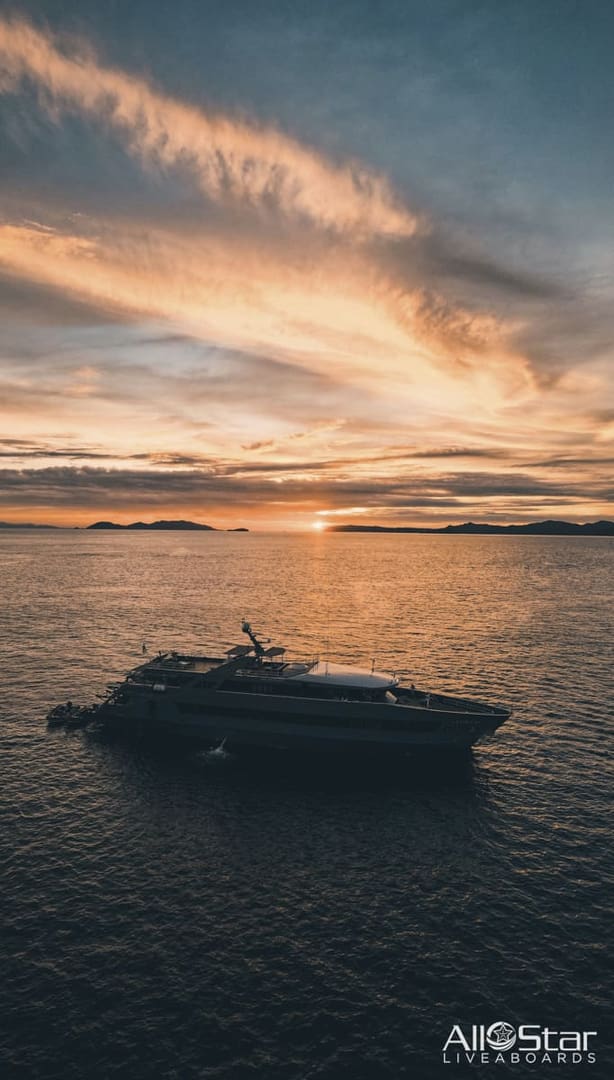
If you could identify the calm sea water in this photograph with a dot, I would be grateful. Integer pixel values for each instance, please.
(165, 917)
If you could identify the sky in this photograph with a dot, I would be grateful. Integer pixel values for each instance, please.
(298, 263)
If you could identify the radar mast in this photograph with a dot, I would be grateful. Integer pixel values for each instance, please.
(246, 628)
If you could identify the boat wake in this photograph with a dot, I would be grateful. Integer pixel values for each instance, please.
(218, 753)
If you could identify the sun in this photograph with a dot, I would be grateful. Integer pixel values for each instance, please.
(318, 525)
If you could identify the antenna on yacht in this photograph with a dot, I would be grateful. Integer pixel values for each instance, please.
(246, 628)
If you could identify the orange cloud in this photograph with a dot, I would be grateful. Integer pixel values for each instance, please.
(340, 312)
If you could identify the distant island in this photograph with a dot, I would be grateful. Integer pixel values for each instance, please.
(535, 528)
(188, 526)
(26, 525)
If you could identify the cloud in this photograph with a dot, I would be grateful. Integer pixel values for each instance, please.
(58, 447)
(250, 283)
(319, 308)
(231, 160)
(442, 258)
(237, 486)
(47, 304)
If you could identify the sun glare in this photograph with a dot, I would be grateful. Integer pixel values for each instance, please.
(318, 525)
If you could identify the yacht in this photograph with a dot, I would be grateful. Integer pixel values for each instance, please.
(254, 697)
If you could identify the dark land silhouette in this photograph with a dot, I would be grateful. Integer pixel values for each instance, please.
(189, 526)
(536, 528)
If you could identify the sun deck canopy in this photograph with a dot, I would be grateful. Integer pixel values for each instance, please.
(340, 675)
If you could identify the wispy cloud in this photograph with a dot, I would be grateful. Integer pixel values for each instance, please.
(221, 277)
(232, 161)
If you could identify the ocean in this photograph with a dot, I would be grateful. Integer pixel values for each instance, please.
(168, 917)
